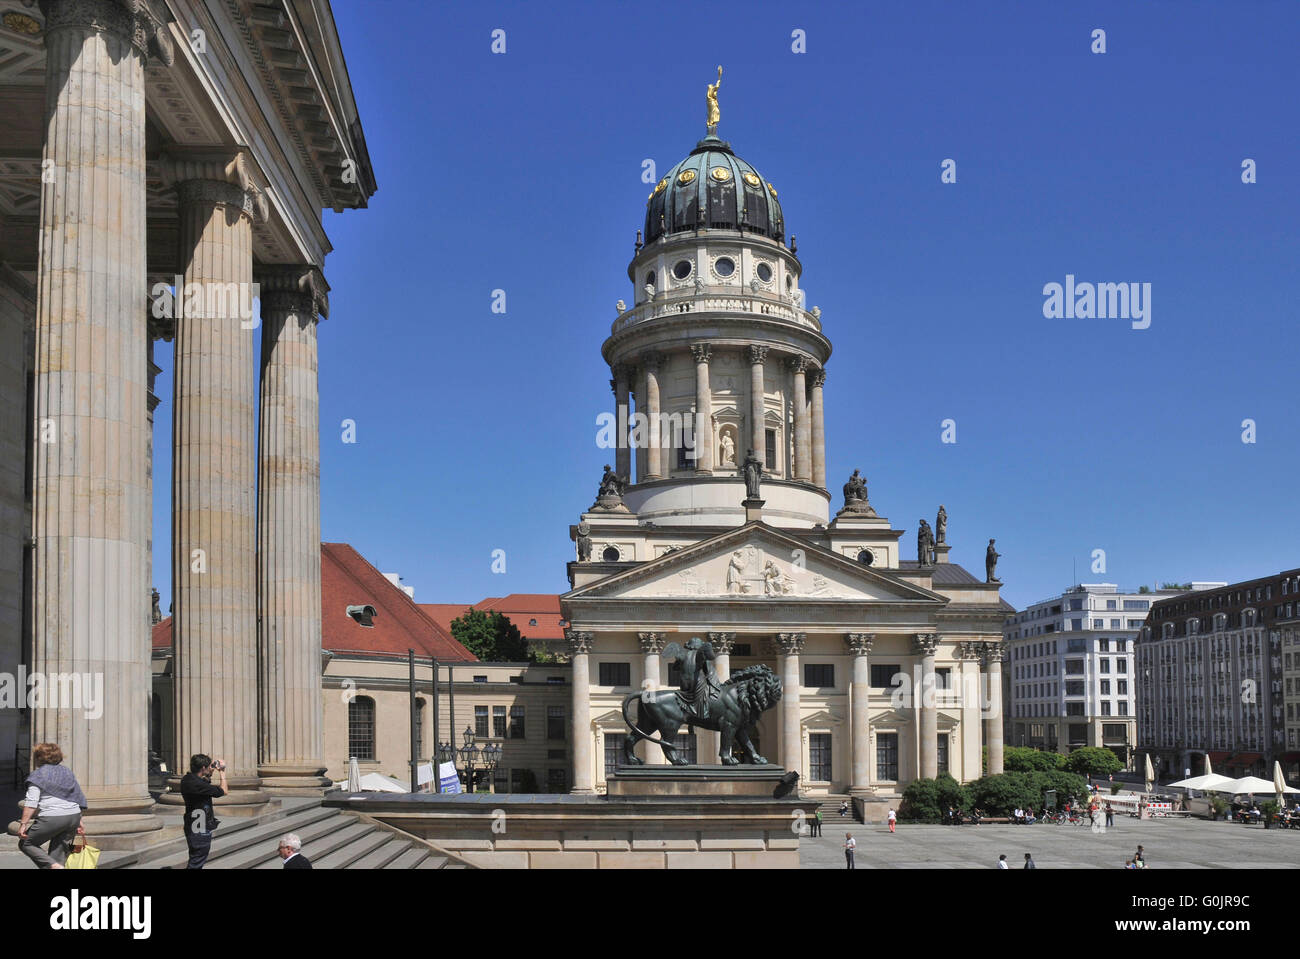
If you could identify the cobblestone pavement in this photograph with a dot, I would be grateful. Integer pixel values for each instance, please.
(1169, 844)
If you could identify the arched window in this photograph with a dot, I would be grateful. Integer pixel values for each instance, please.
(361, 729)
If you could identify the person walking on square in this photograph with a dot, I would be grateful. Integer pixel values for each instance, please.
(850, 844)
(893, 818)
(200, 820)
(1139, 860)
(1029, 862)
(55, 800)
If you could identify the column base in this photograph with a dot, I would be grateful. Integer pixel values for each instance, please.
(244, 798)
(294, 779)
(862, 792)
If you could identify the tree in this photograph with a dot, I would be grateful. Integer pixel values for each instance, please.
(1093, 761)
(999, 795)
(1022, 759)
(927, 800)
(490, 636)
(1067, 786)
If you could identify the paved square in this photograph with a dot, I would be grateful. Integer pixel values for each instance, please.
(1169, 844)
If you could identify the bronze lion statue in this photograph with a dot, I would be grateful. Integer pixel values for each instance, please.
(732, 711)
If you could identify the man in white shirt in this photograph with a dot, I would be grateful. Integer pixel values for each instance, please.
(1002, 862)
(850, 844)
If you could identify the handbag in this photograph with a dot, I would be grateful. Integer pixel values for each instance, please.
(84, 856)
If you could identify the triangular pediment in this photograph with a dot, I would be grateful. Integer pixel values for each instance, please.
(757, 562)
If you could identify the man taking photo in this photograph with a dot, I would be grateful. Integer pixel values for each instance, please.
(198, 792)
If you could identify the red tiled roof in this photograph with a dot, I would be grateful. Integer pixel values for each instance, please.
(520, 608)
(346, 579)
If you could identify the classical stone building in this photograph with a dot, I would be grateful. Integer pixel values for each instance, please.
(716, 356)
(163, 163)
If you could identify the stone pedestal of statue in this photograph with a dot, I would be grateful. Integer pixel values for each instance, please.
(753, 509)
(714, 781)
(941, 553)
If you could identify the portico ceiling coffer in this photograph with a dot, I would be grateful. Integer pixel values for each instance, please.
(364, 615)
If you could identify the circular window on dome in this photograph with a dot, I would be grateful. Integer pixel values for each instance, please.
(751, 179)
(682, 269)
(685, 177)
(659, 187)
(865, 557)
(611, 554)
(720, 173)
(764, 272)
(724, 266)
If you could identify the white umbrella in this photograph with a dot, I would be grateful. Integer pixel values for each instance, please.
(1247, 784)
(1208, 770)
(1208, 781)
(1150, 775)
(1279, 784)
(354, 775)
(377, 782)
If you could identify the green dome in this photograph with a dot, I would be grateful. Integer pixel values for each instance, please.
(713, 189)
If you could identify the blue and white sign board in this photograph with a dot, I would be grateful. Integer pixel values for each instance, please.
(448, 780)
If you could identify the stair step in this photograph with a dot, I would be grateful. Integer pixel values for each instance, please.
(434, 861)
(257, 837)
(385, 854)
(265, 855)
(371, 839)
(409, 859)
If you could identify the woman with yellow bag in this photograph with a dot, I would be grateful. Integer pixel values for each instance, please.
(55, 800)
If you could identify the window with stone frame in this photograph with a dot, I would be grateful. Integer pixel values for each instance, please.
(557, 780)
(769, 451)
(499, 722)
(944, 743)
(481, 722)
(887, 757)
(819, 757)
(615, 674)
(361, 729)
(882, 675)
(555, 725)
(516, 723)
(819, 675)
(614, 751)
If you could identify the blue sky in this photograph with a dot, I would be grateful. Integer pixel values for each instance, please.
(523, 171)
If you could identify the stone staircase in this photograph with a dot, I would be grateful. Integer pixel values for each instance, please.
(830, 808)
(331, 839)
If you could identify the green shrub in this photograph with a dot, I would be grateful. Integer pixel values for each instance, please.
(999, 795)
(927, 800)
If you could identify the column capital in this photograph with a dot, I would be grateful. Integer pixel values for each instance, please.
(228, 177)
(141, 22)
(991, 653)
(859, 643)
(579, 641)
(790, 644)
(796, 364)
(925, 644)
(757, 354)
(651, 642)
(818, 377)
(650, 362)
(723, 643)
(703, 352)
(297, 289)
(621, 371)
(969, 650)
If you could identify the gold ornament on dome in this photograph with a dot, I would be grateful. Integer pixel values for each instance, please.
(21, 23)
(751, 179)
(720, 173)
(685, 177)
(659, 188)
(714, 114)
(772, 188)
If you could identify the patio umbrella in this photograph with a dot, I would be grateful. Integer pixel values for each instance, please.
(1209, 771)
(1208, 781)
(1279, 784)
(1247, 785)
(1150, 774)
(354, 775)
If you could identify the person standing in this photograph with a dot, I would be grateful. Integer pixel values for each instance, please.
(1110, 816)
(1029, 862)
(850, 844)
(200, 820)
(817, 823)
(1002, 862)
(893, 818)
(290, 851)
(54, 798)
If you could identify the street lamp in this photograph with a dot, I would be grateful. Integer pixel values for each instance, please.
(469, 754)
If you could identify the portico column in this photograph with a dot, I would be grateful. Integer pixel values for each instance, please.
(802, 427)
(789, 646)
(710, 745)
(90, 505)
(859, 712)
(992, 662)
(703, 409)
(622, 421)
(654, 468)
(757, 438)
(580, 643)
(214, 529)
(925, 647)
(291, 751)
(652, 644)
(642, 456)
(818, 431)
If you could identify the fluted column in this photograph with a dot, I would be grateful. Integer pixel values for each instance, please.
(802, 427)
(757, 438)
(654, 465)
(710, 743)
(859, 712)
(291, 751)
(214, 530)
(925, 647)
(703, 409)
(652, 645)
(818, 431)
(622, 419)
(992, 662)
(642, 455)
(580, 643)
(789, 646)
(90, 509)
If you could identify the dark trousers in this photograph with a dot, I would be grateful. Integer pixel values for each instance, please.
(1110, 819)
(848, 854)
(200, 845)
(58, 831)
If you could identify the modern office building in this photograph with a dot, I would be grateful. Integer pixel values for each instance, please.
(1069, 679)
(1213, 668)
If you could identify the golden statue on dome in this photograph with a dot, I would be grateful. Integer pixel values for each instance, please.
(714, 113)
